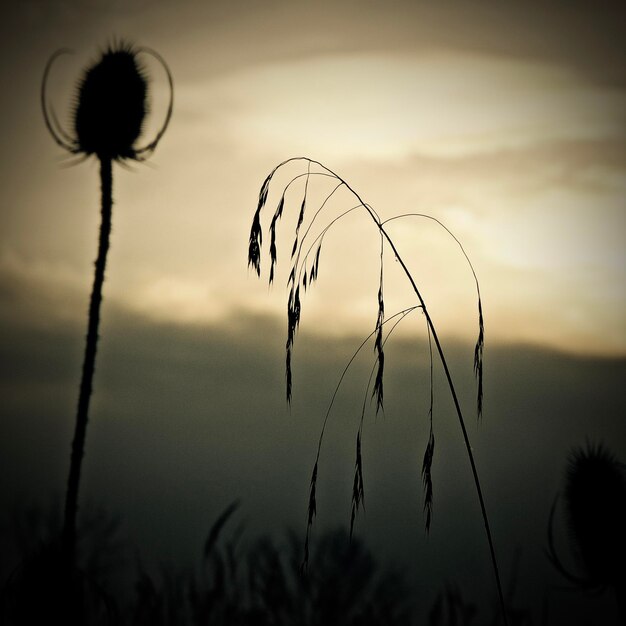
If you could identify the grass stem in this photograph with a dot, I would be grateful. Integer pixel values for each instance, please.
(294, 317)
(459, 413)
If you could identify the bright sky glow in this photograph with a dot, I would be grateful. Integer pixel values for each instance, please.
(521, 155)
(390, 106)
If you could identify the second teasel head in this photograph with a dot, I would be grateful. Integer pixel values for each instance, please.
(595, 500)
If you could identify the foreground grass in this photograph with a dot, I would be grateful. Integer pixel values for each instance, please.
(235, 582)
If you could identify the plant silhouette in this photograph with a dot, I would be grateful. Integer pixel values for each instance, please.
(595, 512)
(261, 585)
(37, 591)
(305, 260)
(110, 107)
(237, 580)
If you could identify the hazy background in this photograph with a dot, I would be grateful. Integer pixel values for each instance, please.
(505, 122)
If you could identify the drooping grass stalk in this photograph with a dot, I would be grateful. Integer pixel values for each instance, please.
(358, 491)
(110, 108)
(301, 276)
(457, 406)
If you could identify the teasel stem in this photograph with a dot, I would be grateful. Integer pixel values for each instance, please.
(89, 361)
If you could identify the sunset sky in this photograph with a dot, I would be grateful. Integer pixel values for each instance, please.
(505, 121)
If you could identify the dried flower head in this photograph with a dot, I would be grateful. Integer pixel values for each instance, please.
(109, 111)
(111, 103)
(595, 499)
(595, 509)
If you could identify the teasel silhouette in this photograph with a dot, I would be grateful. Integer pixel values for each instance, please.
(110, 107)
(305, 265)
(595, 513)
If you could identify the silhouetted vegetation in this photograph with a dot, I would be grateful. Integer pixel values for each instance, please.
(75, 570)
(595, 514)
(259, 584)
(237, 582)
(110, 106)
(305, 262)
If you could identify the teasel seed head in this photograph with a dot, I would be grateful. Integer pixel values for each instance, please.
(595, 501)
(111, 104)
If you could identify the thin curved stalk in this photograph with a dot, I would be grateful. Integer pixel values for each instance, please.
(312, 501)
(459, 413)
(453, 393)
(89, 361)
(254, 260)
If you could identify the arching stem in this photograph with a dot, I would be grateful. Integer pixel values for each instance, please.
(455, 399)
(457, 406)
(253, 259)
(80, 431)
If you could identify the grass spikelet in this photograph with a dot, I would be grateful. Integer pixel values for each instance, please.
(312, 510)
(478, 358)
(293, 320)
(302, 209)
(277, 216)
(316, 264)
(300, 217)
(358, 493)
(288, 376)
(378, 344)
(254, 246)
(312, 501)
(303, 204)
(300, 220)
(377, 391)
(427, 463)
(427, 479)
(263, 192)
(256, 232)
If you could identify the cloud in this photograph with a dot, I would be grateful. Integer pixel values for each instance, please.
(389, 103)
(521, 169)
(488, 117)
(586, 40)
